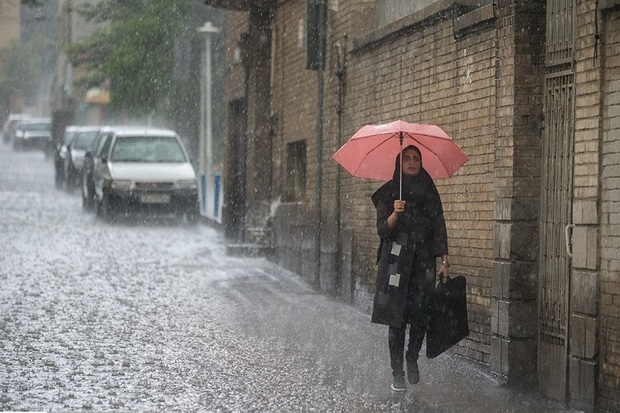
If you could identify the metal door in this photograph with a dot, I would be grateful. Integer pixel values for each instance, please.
(556, 200)
(556, 203)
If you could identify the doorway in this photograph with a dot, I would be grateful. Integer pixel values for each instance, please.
(236, 186)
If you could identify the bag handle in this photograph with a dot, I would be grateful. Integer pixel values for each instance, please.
(442, 276)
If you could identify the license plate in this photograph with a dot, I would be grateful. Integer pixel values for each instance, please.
(155, 198)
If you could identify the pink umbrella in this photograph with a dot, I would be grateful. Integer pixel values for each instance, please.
(370, 153)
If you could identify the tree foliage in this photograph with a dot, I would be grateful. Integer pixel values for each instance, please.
(150, 54)
(134, 50)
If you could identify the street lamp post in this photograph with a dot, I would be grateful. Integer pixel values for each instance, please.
(205, 147)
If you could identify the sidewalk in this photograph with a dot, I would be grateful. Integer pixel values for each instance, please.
(451, 383)
(354, 352)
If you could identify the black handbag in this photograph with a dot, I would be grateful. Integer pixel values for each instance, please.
(447, 324)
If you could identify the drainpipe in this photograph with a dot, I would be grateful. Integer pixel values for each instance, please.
(319, 139)
(340, 113)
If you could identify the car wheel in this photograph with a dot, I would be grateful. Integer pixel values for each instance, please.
(193, 215)
(59, 180)
(106, 209)
(97, 208)
(102, 208)
(70, 180)
(87, 198)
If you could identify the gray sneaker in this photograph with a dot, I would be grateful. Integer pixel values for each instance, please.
(399, 384)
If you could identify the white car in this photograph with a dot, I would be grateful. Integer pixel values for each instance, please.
(145, 170)
(62, 151)
(75, 151)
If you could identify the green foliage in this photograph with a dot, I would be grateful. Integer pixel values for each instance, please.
(151, 55)
(90, 57)
(135, 50)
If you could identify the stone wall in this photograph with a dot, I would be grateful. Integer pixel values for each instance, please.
(439, 70)
(609, 305)
(516, 184)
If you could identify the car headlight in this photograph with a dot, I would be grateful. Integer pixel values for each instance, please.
(118, 184)
(189, 184)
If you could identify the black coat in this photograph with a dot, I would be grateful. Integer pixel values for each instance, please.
(407, 253)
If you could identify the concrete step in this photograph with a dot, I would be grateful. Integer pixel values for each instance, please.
(247, 250)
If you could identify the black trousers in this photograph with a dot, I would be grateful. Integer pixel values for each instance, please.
(416, 317)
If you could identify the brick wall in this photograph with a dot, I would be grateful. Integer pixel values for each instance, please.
(9, 22)
(428, 76)
(586, 190)
(516, 187)
(481, 82)
(478, 78)
(609, 381)
(294, 97)
(236, 24)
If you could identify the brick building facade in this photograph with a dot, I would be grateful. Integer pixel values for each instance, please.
(9, 22)
(9, 33)
(530, 90)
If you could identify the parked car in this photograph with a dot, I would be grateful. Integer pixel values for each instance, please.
(92, 157)
(144, 170)
(61, 150)
(10, 125)
(74, 156)
(33, 133)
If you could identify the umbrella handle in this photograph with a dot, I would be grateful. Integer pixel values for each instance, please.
(400, 193)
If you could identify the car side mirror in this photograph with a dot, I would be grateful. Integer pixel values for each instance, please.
(104, 159)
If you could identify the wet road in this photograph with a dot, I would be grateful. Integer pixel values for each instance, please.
(134, 316)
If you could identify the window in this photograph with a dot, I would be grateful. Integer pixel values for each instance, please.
(104, 147)
(295, 180)
(389, 11)
(84, 140)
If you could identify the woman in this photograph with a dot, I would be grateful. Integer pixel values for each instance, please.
(413, 234)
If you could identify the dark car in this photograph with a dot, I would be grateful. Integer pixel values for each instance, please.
(144, 170)
(11, 124)
(33, 133)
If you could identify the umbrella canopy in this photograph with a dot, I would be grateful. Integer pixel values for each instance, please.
(371, 152)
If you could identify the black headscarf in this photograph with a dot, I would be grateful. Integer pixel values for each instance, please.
(419, 191)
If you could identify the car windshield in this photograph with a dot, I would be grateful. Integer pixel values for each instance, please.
(147, 149)
(84, 140)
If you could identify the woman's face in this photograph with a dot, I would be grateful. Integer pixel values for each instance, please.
(412, 162)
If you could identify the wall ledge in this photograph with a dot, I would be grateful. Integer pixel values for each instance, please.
(441, 10)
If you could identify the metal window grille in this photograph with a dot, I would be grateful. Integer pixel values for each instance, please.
(560, 31)
(389, 11)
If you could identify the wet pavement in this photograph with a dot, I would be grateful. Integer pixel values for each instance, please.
(144, 316)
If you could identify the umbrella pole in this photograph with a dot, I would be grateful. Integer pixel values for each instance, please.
(400, 193)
